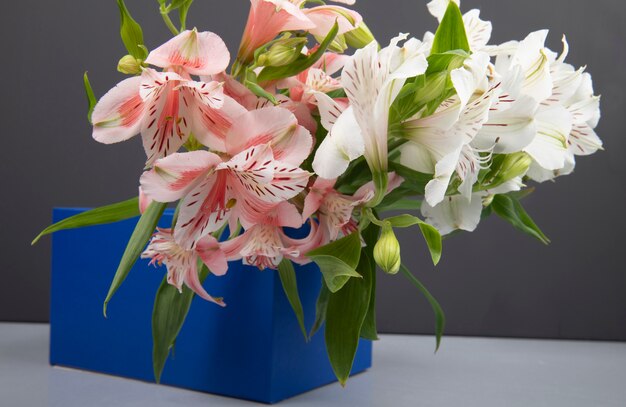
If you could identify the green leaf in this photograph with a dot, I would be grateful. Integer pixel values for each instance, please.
(344, 319)
(338, 260)
(369, 330)
(303, 63)
(260, 92)
(290, 285)
(137, 243)
(405, 204)
(320, 309)
(430, 233)
(168, 315)
(91, 98)
(440, 317)
(99, 216)
(131, 33)
(451, 33)
(511, 210)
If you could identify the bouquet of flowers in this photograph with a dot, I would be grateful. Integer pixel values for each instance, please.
(320, 127)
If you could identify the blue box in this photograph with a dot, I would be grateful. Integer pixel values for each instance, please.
(252, 349)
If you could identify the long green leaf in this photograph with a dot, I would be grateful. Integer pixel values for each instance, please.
(344, 319)
(137, 243)
(511, 210)
(168, 315)
(451, 33)
(272, 73)
(320, 309)
(131, 33)
(290, 286)
(91, 98)
(338, 260)
(440, 317)
(99, 216)
(370, 236)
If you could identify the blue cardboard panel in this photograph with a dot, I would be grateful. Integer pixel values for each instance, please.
(252, 349)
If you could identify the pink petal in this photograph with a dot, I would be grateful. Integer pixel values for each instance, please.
(210, 126)
(205, 209)
(173, 177)
(290, 142)
(118, 114)
(193, 282)
(167, 125)
(197, 53)
(144, 201)
(211, 254)
(316, 196)
(315, 239)
(331, 62)
(324, 18)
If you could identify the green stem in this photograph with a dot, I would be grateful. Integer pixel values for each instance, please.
(168, 21)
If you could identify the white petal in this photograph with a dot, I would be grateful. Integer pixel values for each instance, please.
(549, 148)
(478, 31)
(454, 213)
(343, 144)
(510, 130)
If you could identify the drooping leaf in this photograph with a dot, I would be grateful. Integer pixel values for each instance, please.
(290, 286)
(168, 315)
(131, 33)
(451, 33)
(137, 243)
(99, 216)
(430, 233)
(260, 92)
(404, 204)
(91, 98)
(440, 317)
(369, 329)
(344, 319)
(320, 309)
(303, 63)
(338, 260)
(510, 209)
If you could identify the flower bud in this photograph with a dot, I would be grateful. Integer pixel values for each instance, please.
(511, 166)
(387, 251)
(359, 37)
(283, 52)
(129, 65)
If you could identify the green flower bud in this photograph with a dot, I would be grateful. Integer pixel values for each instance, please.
(129, 65)
(283, 52)
(510, 166)
(359, 37)
(387, 251)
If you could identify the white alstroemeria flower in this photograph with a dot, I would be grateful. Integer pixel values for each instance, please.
(459, 213)
(478, 31)
(372, 80)
(584, 109)
(442, 143)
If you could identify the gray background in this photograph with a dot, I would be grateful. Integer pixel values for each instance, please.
(492, 282)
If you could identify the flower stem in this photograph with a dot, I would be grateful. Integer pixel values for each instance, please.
(168, 21)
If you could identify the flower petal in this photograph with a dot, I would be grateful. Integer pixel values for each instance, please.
(455, 212)
(324, 17)
(173, 177)
(278, 127)
(198, 53)
(118, 114)
(208, 248)
(549, 147)
(478, 31)
(343, 144)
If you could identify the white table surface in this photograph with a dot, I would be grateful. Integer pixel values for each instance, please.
(465, 372)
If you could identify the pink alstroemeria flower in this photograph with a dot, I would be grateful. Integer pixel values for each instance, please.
(268, 18)
(260, 169)
(165, 107)
(265, 244)
(335, 210)
(308, 86)
(182, 264)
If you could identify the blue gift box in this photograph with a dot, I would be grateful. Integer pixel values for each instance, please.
(252, 349)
